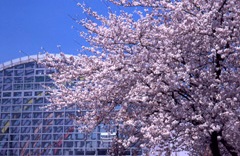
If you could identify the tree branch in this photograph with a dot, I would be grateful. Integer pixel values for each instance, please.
(229, 148)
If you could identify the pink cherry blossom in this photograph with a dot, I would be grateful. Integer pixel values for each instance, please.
(168, 79)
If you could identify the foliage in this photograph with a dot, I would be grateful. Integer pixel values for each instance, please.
(167, 75)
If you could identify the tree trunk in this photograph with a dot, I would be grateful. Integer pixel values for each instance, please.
(214, 144)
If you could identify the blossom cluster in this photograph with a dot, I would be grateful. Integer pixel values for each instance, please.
(168, 79)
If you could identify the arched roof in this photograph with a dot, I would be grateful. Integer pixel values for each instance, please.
(25, 59)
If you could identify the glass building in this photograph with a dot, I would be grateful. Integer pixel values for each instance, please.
(25, 129)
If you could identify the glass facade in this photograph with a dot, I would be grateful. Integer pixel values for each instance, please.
(25, 129)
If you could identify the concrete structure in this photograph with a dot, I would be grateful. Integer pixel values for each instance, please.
(25, 129)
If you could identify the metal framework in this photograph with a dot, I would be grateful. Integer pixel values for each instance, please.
(25, 129)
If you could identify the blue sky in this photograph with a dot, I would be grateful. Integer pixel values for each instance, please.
(28, 25)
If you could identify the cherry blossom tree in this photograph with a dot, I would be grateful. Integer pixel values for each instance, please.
(167, 75)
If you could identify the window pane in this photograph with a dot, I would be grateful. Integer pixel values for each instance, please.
(47, 129)
(27, 93)
(7, 80)
(15, 123)
(27, 108)
(16, 115)
(37, 107)
(8, 72)
(29, 72)
(46, 136)
(26, 115)
(30, 65)
(21, 66)
(5, 109)
(16, 129)
(17, 87)
(18, 79)
(6, 101)
(28, 86)
(18, 72)
(38, 100)
(39, 72)
(17, 94)
(27, 100)
(38, 93)
(40, 66)
(38, 87)
(37, 115)
(58, 129)
(39, 78)
(7, 94)
(48, 79)
(7, 86)
(5, 116)
(29, 79)
(17, 101)
(16, 108)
